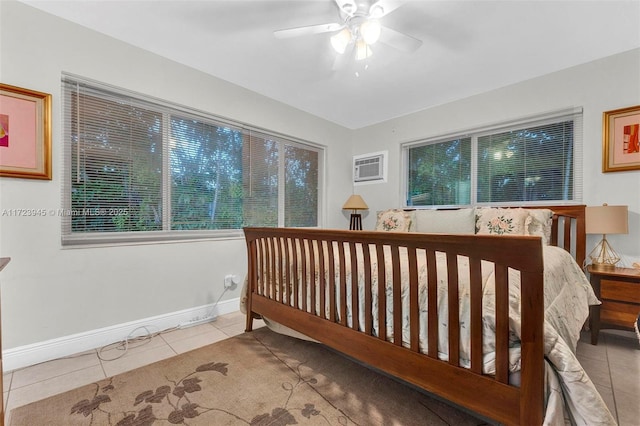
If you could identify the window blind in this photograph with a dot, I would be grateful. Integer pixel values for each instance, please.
(115, 159)
(140, 169)
(206, 175)
(535, 160)
(440, 173)
(533, 163)
(301, 185)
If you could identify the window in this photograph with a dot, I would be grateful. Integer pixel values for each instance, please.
(440, 173)
(533, 161)
(141, 169)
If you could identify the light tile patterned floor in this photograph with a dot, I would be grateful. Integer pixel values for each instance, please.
(49, 378)
(613, 365)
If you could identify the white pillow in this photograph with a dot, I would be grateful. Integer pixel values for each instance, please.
(460, 221)
(499, 221)
(540, 224)
(393, 220)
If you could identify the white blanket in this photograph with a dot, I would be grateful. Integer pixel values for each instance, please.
(571, 396)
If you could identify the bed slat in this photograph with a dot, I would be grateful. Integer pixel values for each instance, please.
(313, 276)
(368, 297)
(382, 292)
(343, 285)
(397, 296)
(322, 280)
(414, 305)
(281, 266)
(355, 309)
(332, 284)
(295, 278)
(453, 324)
(432, 302)
(475, 315)
(502, 323)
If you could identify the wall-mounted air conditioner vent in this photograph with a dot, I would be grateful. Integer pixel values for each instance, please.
(370, 167)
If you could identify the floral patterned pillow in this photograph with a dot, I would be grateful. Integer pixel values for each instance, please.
(393, 220)
(540, 223)
(498, 221)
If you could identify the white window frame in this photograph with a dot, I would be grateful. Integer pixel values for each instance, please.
(574, 114)
(70, 238)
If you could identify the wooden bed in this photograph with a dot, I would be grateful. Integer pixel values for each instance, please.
(319, 310)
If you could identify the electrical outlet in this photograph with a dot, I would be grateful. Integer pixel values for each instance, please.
(231, 281)
(198, 320)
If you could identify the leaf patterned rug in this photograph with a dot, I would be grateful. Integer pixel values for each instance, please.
(257, 378)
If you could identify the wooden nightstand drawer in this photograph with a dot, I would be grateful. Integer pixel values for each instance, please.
(620, 314)
(620, 290)
(610, 305)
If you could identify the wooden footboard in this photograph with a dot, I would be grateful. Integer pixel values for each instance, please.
(307, 280)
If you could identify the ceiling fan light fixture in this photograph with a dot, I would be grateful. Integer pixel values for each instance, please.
(370, 30)
(363, 51)
(376, 11)
(341, 40)
(348, 8)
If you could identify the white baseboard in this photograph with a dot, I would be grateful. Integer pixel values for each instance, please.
(24, 356)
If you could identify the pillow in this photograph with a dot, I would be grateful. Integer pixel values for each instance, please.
(460, 221)
(540, 224)
(393, 220)
(499, 221)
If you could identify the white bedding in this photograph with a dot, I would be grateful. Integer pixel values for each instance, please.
(571, 396)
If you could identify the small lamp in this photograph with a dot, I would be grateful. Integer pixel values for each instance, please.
(604, 220)
(355, 203)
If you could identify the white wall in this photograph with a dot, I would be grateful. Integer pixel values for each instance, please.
(602, 85)
(49, 292)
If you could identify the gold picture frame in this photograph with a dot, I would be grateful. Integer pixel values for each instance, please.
(620, 140)
(25, 133)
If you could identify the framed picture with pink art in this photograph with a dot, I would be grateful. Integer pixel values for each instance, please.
(25, 133)
(620, 142)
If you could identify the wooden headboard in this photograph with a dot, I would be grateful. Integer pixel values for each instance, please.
(569, 229)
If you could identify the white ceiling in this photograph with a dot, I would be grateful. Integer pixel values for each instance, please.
(469, 47)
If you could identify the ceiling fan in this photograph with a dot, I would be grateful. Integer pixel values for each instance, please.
(358, 28)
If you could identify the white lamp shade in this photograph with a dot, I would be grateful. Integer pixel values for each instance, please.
(370, 31)
(363, 51)
(355, 202)
(341, 40)
(607, 219)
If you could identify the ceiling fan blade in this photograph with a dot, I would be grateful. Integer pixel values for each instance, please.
(341, 60)
(307, 30)
(398, 40)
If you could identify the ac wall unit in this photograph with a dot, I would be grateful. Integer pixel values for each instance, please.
(368, 168)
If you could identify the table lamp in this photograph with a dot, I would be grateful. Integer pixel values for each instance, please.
(605, 220)
(355, 203)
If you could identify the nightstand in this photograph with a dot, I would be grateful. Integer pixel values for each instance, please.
(619, 291)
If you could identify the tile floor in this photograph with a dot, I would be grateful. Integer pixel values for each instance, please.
(613, 365)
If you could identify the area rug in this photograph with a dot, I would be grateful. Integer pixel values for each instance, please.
(257, 378)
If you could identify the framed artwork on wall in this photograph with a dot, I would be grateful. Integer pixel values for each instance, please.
(620, 139)
(25, 133)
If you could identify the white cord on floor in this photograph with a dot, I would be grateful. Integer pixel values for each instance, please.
(123, 345)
